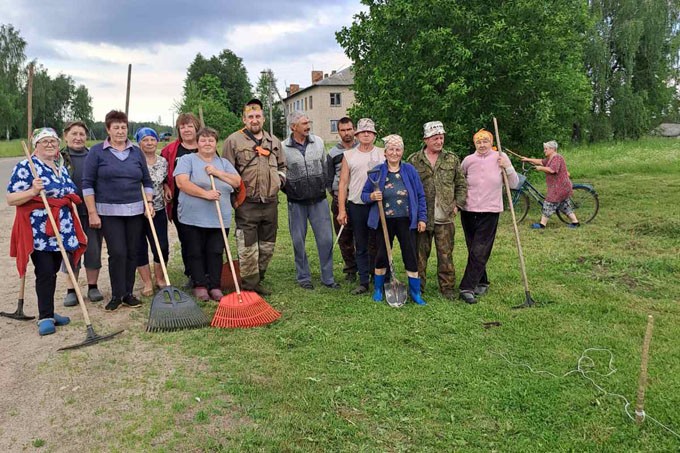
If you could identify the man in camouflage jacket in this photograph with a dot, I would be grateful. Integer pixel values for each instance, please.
(445, 192)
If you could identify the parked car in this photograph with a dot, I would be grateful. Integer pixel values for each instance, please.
(165, 136)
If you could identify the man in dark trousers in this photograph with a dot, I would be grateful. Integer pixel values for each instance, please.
(260, 161)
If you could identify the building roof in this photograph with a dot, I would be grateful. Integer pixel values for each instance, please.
(344, 77)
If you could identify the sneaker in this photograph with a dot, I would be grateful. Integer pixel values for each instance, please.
(201, 293)
(131, 301)
(71, 300)
(574, 225)
(351, 276)
(113, 304)
(480, 290)
(306, 285)
(46, 326)
(537, 226)
(361, 289)
(216, 294)
(94, 295)
(468, 297)
(333, 285)
(61, 320)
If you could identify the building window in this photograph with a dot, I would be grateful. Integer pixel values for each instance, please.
(334, 126)
(305, 109)
(310, 103)
(335, 100)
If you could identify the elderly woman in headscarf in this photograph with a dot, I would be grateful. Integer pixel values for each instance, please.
(147, 140)
(484, 203)
(115, 170)
(32, 233)
(400, 190)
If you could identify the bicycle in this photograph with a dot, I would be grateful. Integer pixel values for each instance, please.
(584, 200)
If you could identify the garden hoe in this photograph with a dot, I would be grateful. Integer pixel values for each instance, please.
(528, 301)
(395, 291)
(19, 313)
(91, 337)
(171, 309)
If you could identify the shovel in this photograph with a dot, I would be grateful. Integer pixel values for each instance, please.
(395, 291)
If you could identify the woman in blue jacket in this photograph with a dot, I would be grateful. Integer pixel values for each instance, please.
(401, 192)
(114, 173)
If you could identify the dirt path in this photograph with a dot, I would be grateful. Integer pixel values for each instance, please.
(71, 401)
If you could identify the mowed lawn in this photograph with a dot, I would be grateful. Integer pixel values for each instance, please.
(342, 373)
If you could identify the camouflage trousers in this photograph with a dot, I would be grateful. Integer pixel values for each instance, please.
(256, 225)
(346, 240)
(443, 236)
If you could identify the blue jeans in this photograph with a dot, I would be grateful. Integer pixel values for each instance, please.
(319, 218)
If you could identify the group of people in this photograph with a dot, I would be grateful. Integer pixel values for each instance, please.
(105, 193)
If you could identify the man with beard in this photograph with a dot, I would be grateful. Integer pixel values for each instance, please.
(335, 155)
(258, 158)
(305, 187)
(445, 192)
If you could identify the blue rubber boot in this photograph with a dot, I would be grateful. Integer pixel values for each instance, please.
(46, 326)
(414, 290)
(61, 320)
(378, 283)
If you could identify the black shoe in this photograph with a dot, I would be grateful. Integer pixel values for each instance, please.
(113, 304)
(259, 289)
(468, 297)
(131, 301)
(306, 285)
(333, 285)
(361, 289)
(480, 290)
(351, 276)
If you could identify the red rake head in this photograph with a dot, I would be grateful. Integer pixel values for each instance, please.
(246, 309)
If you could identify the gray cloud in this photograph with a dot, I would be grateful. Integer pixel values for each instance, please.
(129, 22)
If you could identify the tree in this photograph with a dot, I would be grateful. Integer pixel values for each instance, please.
(232, 75)
(12, 47)
(81, 105)
(463, 63)
(264, 90)
(209, 95)
(631, 52)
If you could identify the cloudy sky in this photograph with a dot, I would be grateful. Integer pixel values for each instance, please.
(94, 40)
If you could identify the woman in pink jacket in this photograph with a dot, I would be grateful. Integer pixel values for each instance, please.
(483, 205)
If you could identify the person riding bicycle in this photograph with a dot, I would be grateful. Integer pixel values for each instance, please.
(558, 184)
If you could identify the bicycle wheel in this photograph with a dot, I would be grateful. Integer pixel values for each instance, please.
(584, 202)
(520, 201)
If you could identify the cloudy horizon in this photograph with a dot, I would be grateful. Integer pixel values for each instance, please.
(161, 39)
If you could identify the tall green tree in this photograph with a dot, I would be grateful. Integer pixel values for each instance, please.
(81, 105)
(631, 55)
(465, 62)
(265, 90)
(208, 94)
(12, 57)
(232, 75)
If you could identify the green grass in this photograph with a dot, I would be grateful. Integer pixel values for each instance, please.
(342, 373)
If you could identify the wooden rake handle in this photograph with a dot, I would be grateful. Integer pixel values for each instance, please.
(512, 211)
(60, 242)
(226, 241)
(147, 210)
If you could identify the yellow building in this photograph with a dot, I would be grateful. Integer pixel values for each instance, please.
(325, 101)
